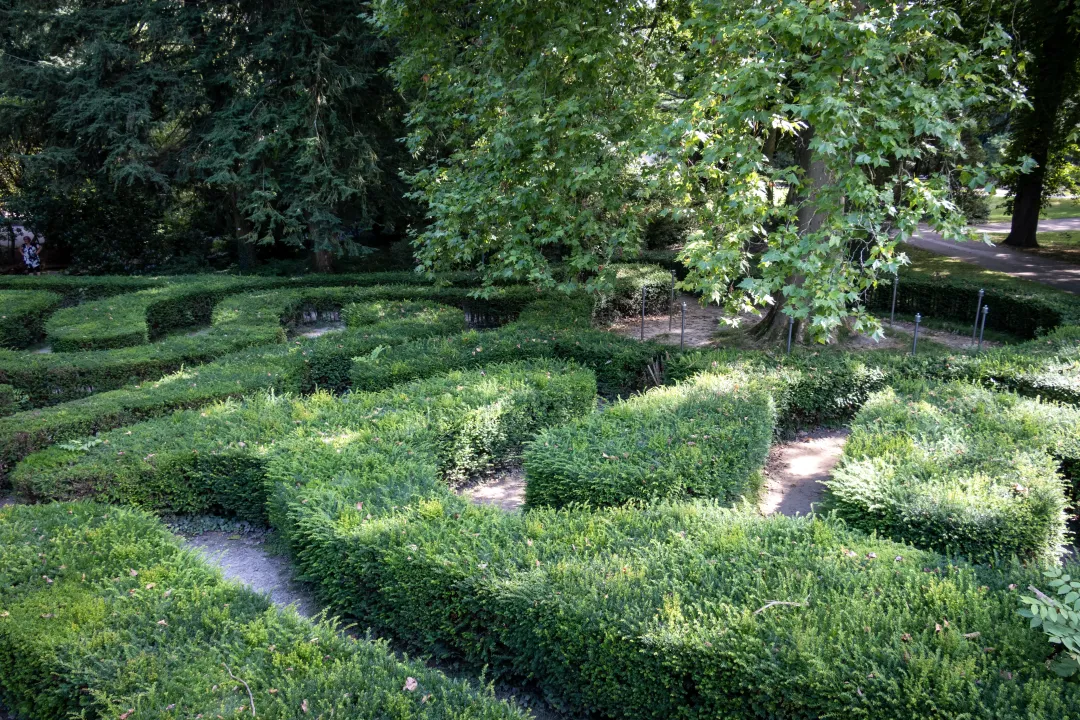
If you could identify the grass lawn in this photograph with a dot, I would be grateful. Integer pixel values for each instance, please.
(1063, 245)
(1059, 208)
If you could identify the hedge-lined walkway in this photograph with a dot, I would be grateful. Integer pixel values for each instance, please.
(1061, 275)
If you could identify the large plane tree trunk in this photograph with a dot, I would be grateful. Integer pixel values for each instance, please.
(773, 327)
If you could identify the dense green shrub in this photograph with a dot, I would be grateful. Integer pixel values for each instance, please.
(669, 610)
(1018, 310)
(11, 401)
(22, 316)
(239, 321)
(75, 289)
(621, 365)
(810, 389)
(103, 614)
(214, 458)
(625, 296)
(705, 438)
(958, 468)
(327, 361)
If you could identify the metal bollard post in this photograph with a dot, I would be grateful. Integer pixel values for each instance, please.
(978, 309)
(895, 284)
(682, 333)
(982, 327)
(790, 326)
(643, 313)
(671, 304)
(915, 342)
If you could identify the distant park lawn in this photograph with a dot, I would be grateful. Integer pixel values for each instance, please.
(1063, 245)
(1059, 208)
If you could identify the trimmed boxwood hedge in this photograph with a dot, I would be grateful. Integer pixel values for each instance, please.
(104, 614)
(628, 280)
(214, 458)
(302, 366)
(239, 321)
(810, 389)
(958, 468)
(621, 365)
(22, 316)
(1023, 310)
(708, 437)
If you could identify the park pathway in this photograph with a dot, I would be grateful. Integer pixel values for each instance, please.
(1057, 273)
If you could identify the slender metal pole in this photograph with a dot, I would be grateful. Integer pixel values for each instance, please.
(643, 313)
(915, 342)
(790, 326)
(978, 307)
(895, 283)
(682, 332)
(671, 304)
(982, 327)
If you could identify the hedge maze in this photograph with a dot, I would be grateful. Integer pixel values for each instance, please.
(638, 581)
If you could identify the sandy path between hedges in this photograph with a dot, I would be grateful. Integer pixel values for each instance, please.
(795, 470)
(243, 557)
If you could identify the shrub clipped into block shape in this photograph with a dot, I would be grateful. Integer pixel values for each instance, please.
(22, 316)
(958, 468)
(103, 614)
(708, 437)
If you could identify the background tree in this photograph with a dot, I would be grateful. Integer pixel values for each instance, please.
(1046, 34)
(149, 127)
(698, 101)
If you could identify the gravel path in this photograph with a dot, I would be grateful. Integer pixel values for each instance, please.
(244, 557)
(505, 489)
(794, 471)
(1062, 275)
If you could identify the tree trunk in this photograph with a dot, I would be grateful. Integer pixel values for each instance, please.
(322, 261)
(245, 249)
(1042, 127)
(1025, 219)
(774, 326)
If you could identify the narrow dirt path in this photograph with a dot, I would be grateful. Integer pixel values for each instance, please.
(702, 323)
(504, 489)
(795, 470)
(244, 557)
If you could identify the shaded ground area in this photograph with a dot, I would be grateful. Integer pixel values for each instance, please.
(795, 470)
(318, 330)
(505, 488)
(702, 322)
(243, 557)
(1048, 271)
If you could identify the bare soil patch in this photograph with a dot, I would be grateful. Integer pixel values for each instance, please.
(702, 323)
(504, 488)
(795, 470)
(243, 557)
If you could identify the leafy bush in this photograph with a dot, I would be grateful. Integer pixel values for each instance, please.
(11, 401)
(22, 319)
(625, 296)
(1058, 617)
(683, 610)
(959, 469)
(706, 438)
(103, 614)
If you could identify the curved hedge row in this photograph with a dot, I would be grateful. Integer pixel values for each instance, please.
(300, 366)
(22, 316)
(958, 468)
(239, 321)
(707, 438)
(215, 458)
(103, 614)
